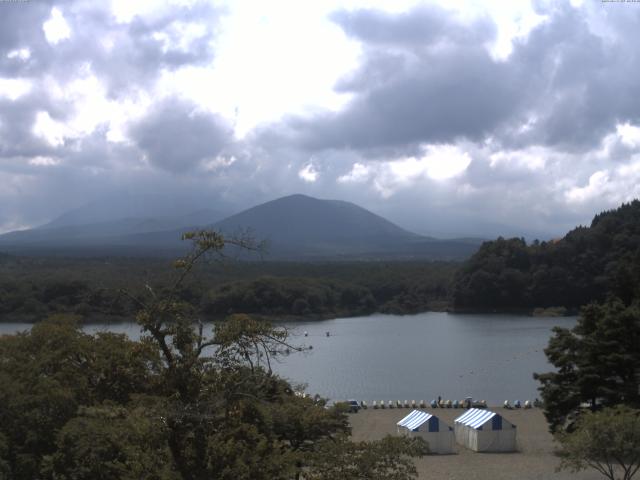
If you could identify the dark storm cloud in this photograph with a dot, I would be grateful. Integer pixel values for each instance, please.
(21, 27)
(17, 119)
(423, 26)
(176, 136)
(125, 55)
(427, 77)
(581, 82)
(463, 93)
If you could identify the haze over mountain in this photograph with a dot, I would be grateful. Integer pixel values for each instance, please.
(294, 227)
(165, 210)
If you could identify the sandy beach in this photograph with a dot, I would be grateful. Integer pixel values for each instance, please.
(533, 460)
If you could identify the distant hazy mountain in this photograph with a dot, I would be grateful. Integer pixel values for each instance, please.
(130, 207)
(106, 232)
(295, 227)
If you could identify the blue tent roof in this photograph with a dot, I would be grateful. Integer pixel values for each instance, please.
(476, 417)
(415, 419)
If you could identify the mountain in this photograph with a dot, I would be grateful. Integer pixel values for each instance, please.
(299, 227)
(129, 206)
(295, 227)
(106, 231)
(299, 220)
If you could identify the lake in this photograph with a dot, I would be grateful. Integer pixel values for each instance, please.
(411, 357)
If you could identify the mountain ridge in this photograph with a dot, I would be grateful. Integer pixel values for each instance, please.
(295, 227)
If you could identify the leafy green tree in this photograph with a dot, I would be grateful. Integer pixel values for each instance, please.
(227, 415)
(48, 373)
(597, 362)
(607, 441)
(110, 443)
(387, 459)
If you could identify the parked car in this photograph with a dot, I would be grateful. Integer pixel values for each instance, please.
(354, 406)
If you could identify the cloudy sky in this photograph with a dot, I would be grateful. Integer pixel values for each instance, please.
(449, 118)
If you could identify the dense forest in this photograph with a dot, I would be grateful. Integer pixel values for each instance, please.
(32, 288)
(589, 264)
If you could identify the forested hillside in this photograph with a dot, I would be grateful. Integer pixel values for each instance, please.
(32, 288)
(588, 264)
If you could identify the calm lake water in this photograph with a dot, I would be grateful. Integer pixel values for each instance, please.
(413, 357)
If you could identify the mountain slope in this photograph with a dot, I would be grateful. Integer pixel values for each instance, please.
(303, 220)
(302, 227)
(296, 227)
(103, 233)
(134, 206)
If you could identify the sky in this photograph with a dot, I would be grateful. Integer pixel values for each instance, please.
(452, 118)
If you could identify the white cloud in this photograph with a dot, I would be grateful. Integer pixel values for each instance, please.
(439, 162)
(53, 131)
(14, 88)
(359, 173)
(56, 27)
(531, 158)
(596, 187)
(275, 58)
(21, 53)
(217, 163)
(629, 134)
(308, 173)
(44, 161)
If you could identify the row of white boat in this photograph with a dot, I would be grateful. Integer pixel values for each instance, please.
(468, 403)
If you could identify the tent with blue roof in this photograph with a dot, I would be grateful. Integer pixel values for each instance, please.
(438, 434)
(485, 431)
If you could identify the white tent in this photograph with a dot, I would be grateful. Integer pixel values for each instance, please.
(438, 434)
(485, 431)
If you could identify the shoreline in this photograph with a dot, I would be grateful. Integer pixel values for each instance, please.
(288, 318)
